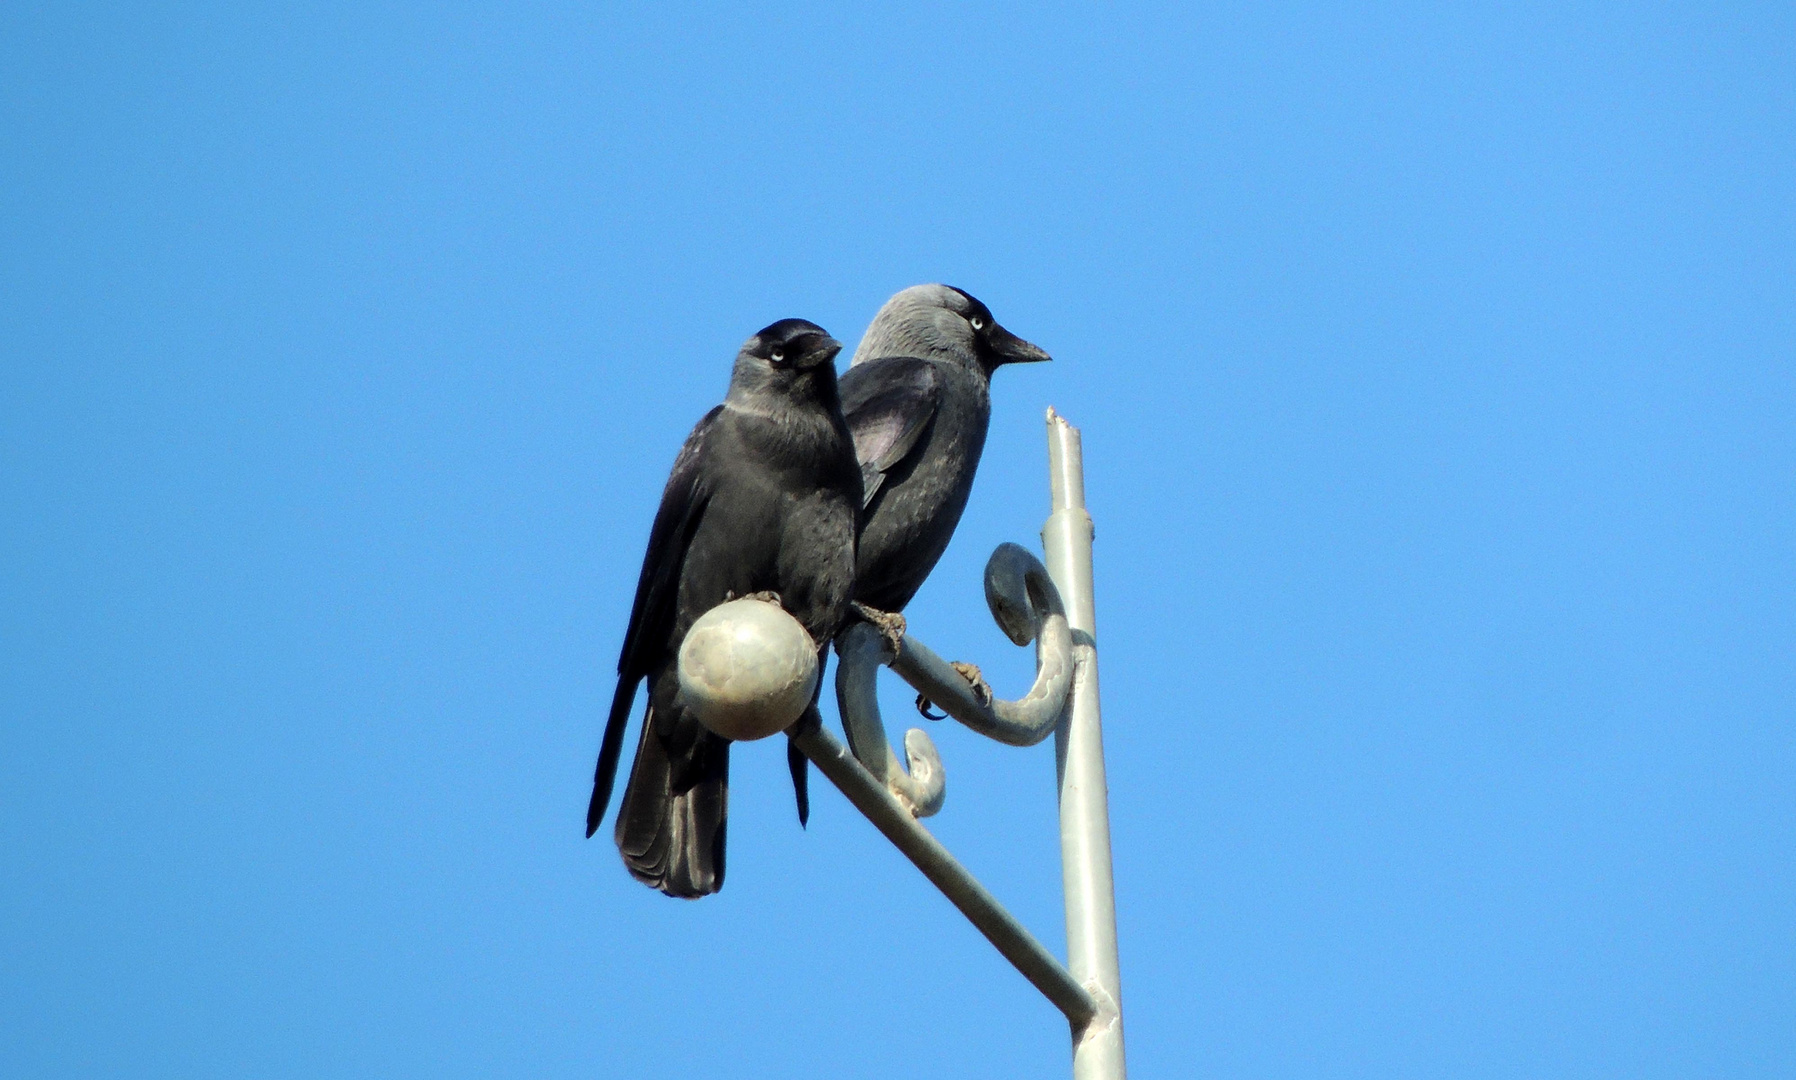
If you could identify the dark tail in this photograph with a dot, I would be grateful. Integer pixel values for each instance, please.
(670, 826)
(606, 773)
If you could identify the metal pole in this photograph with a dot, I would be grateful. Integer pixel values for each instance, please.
(1014, 940)
(1079, 759)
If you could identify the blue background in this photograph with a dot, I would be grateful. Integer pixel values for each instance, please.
(1436, 375)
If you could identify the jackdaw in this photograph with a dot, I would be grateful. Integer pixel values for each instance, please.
(918, 400)
(763, 499)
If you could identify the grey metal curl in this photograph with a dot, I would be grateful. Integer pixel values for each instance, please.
(1027, 607)
(860, 650)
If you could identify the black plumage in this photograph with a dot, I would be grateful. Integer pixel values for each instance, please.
(763, 497)
(918, 402)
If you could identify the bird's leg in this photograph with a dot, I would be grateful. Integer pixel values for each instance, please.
(767, 596)
(890, 624)
(798, 766)
(796, 762)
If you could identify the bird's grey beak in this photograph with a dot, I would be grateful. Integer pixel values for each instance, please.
(1011, 349)
(818, 350)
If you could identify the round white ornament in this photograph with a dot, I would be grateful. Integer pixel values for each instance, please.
(747, 669)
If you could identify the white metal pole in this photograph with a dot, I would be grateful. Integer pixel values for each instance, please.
(1079, 758)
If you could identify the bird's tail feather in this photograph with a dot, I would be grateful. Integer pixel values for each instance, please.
(606, 773)
(670, 826)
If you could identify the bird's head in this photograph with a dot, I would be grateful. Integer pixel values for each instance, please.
(943, 322)
(791, 356)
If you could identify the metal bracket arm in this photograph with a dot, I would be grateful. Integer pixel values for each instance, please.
(1012, 939)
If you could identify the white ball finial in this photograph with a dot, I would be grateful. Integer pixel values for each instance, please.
(747, 669)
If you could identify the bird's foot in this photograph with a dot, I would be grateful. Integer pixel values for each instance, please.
(890, 625)
(766, 596)
(971, 673)
(982, 691)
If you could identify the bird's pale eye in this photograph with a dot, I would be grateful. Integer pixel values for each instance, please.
(777, 357)
(978, 323)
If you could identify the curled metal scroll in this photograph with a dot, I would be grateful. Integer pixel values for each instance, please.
(1027, 607)
(861, 650)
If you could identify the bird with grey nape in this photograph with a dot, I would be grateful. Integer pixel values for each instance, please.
(763, 499)
(918, 400)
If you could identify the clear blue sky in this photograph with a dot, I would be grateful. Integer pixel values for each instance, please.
(1437, 370)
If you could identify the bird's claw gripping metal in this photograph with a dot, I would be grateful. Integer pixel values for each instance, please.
(890, 624)
(982, 690)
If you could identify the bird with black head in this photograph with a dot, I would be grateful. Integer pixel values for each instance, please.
(763, 499)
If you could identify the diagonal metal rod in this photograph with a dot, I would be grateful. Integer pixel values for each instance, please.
(1018, 945)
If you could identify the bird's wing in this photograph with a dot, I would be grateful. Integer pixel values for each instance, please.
(682, 504)
(888, 404)
(657, 592)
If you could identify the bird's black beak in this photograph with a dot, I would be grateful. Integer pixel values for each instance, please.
(1010, 349)
(816, 349)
